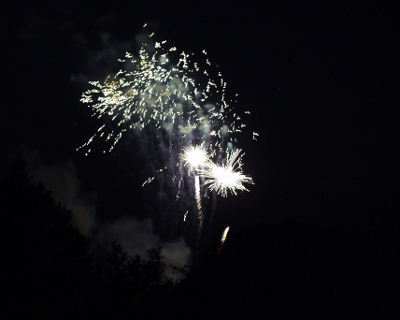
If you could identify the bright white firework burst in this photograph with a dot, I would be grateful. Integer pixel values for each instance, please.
(195, 156)
(227, 176)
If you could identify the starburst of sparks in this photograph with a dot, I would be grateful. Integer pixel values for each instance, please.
(227, 176)
(154, 91)
(195, 156)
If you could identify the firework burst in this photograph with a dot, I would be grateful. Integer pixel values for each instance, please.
(153, 91)
(195, 156)
(182, 123)
(227, 176)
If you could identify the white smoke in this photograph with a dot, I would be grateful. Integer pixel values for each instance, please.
(62, 180)
(136, 237)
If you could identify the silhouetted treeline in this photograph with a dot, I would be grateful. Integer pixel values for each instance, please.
(290, 271)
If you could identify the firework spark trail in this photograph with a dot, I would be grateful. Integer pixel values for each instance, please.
(198, 202)
(195, 158)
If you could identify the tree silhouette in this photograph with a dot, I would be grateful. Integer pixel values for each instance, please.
(48, 269)
(44, 253)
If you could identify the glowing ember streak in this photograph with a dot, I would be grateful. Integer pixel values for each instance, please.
(228, 176)
(223, 237)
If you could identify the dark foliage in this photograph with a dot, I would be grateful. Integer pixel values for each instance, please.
(44, 254)
(48, 269)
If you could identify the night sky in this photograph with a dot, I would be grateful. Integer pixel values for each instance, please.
(319, 80)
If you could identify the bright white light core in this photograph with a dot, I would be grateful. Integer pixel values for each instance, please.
(195, 156)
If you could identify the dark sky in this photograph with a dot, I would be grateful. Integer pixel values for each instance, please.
(319, 79)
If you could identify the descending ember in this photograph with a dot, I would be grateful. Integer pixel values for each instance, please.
(223, 238)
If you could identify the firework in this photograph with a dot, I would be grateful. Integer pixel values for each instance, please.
(182, 118)
(227, 176)
(153, 91)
